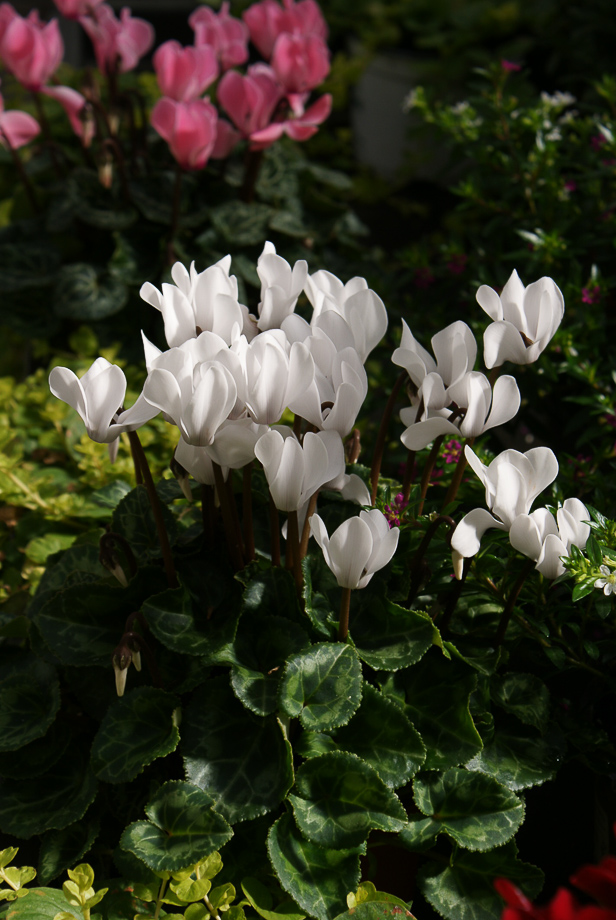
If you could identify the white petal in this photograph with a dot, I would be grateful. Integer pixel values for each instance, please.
(421, 434)
(350, 547)
(466, 538)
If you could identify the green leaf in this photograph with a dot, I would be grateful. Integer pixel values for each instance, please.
(39, 549)
(289, 223)
(381, 734)
(51, 801)
(262, 645)
(38, 756)
(524, 695)
(62, 849)
(77, 565)
(317, 879)
(27, 265)
(521, 759)
(242, 760)
(82, 626)
(134, 520)
(29, 706)
(261, 899)
(464, 890)
(582, 590)
(153, 195)
(340, 799)
(475, 810)
(387, 636)
(330, 177)
(593, 550)
(441, 714)
(377, 909)
(81, 293)
(41, 904)
(182, 829)
(322, 686)
(270, 590)
(136, 730)
(111, 495)
(96, 205)
(189, 628)
(241, 223)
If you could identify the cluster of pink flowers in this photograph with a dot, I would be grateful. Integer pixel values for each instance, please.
(591, 294)
(395, 511)
(264, 103)
(268, 100)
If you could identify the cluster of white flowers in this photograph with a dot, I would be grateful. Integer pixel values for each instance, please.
(228, 377)
(452, 399)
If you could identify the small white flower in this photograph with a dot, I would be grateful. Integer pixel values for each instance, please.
(358, 548)
(608, 582)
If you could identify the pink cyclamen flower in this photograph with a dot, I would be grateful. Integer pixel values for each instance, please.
(119, 44)
(30, 49)
(591, 294)
(510, 66)
(188, 127)
(300, 62)
(267, 20)
(250, 101)
(73, 9)
(299, 128)
(16, 128)
(225, 34)
(184, 74)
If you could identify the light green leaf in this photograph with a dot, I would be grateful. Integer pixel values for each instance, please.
(182, 829)
(340, 799)
(242, 760)
(378, 909)
(41, 904)
(464, 890)
(317, 879)
(261, 899)
(322, 686)
(137, 729)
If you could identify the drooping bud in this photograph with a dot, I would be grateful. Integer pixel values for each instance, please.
(121, 660)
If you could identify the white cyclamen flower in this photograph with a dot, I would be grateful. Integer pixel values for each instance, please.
(544, 539)
(360, 307)
(454, 347)
(98, 397)
(513, 481)
(483, 407)
(199, 302)
(525, 320)
(358, 548)
(608, 582)
(281, 285)
(296, 471)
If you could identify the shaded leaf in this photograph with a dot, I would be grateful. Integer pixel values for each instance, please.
(60, 850)
(524, 695)
(134, 520)
(387, 636)
(30, 700)
(520, 760)
(81, 293)
(318, 879)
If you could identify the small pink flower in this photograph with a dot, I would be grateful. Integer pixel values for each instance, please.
(267, 20)
(571, 186)
(299, 128)
(184, 73)
(119, 44)
(452, 451)
(30, 49)
(250, 101)
(225, 34)
(610, 419)
(188, 127)
(457, 263)
(73, 9)
(16, 128)
(597, 141)
(591, 294)
(510, 66)
(300, 62)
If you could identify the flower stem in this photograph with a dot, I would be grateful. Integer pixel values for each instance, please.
(427, 472)
(159, 899)
(249, 535)
(303, 545)
(208, 511)
(163, 538)
(293, 544)
(274, 531)
(461, 465)
(343, 622)
(421, 550)
(408, 474)
(513, 596)
(23, 175)
(231, 531)
(454, 597)
(175, 214)
(379, 448)
(254, 158)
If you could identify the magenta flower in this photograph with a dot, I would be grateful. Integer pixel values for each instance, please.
(188, 127)
(300, 128)
(225, 34)
(300, 62)
(591, 294)
(250, 101)
(119, 44)
(510, 66)
(184, 74)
